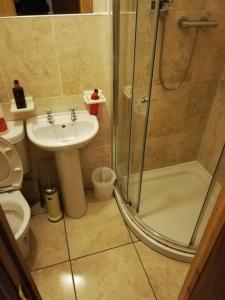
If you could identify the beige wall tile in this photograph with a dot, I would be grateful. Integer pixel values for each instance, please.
(3, 91)
(27, 54)
(103, 136)
(214, 136)
(126, 49)
(172, 149)
(94, 157)
(209, 59)
(59, 104)
(215, 5)
(176, 124)
(83, 53)
(128, 5)
(223, 74)
(189, 5)
(206, 65)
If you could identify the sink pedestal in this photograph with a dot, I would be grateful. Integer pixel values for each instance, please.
(70, 177)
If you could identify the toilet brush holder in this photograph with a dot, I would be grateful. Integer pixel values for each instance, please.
(53, 203)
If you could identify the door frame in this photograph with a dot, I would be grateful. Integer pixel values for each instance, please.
(211, 234)
(14, 264)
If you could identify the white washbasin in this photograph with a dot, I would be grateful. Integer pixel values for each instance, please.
(63, 134)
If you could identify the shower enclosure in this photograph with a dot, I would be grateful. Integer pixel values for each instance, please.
(168, 137)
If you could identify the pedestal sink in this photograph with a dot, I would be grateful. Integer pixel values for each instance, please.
(65, 137)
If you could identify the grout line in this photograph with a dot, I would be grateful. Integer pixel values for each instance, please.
(38, 269)
(71, 268)
(149, 281)
(101, 251)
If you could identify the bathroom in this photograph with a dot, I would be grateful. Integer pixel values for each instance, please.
(160, 129)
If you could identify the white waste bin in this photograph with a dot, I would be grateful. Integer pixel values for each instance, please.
(103, 181)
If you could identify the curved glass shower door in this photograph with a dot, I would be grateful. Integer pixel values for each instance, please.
(124, 19)
(168, 133)
(177, 172)
(132, 90)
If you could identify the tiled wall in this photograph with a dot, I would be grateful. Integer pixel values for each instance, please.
(177, 119)
(56, 59)
(214, 136)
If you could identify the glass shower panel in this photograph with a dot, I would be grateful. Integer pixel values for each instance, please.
(144, 54)
(124, 23)
(176, 173)
(213, 193)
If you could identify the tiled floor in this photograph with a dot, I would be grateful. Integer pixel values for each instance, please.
(98, 258)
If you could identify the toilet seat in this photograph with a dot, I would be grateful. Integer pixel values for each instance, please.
(11, 171)
(13, 203)
(17, 212)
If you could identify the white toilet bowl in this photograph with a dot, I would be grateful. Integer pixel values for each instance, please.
(13, 159)
(17, 212)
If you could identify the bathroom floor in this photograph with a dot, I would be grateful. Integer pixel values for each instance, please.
(97, 257)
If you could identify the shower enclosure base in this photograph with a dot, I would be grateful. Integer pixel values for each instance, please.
(171, 201)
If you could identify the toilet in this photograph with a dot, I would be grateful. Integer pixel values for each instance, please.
(14, 164)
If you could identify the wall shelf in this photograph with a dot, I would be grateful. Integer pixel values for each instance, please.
(89, 101)
(29, 108)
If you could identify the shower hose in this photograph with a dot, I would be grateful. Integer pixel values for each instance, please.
(179, 83)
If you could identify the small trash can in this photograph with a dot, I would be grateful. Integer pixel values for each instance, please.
(103, 181)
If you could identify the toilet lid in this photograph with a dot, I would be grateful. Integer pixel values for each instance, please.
(11, 168)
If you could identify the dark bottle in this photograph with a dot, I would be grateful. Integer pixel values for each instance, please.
(19, 95)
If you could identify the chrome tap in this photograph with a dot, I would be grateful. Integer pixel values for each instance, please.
(50, 118)
(73, 114)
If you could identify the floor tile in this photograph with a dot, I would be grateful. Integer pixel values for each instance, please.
(112, 274)
(166, 275)
(55, 282)
(100, 229)
(48, 242)
(133, 236)
(37, 209)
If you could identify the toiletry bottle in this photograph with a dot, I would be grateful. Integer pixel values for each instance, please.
(94, 107)
(19, 95)
(3, 124)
